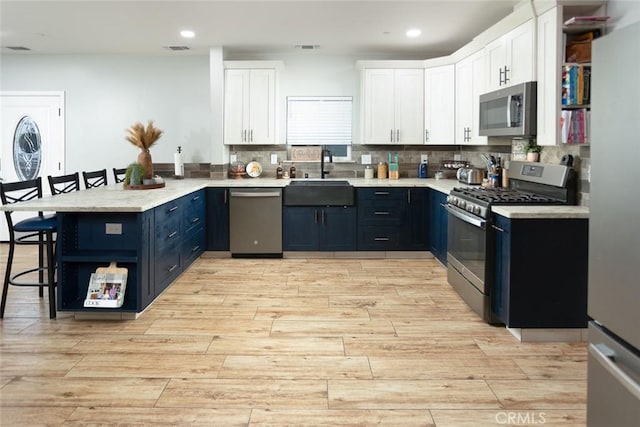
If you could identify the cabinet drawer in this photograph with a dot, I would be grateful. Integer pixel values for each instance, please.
(167, 265)
(378, 238)
(194, 211)
(167, 231)
(380, 213)
(380, 194)
(168, 210)
(193, 246)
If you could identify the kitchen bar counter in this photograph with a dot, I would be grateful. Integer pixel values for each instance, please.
(114, 198)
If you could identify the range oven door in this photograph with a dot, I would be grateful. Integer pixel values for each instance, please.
(467, 253)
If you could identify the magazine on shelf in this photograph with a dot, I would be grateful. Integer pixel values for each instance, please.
(106, 289)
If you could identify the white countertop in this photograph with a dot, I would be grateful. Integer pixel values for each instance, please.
(541, 212)
(114, 198)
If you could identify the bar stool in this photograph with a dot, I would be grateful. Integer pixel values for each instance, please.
(119, 174)
(95, 179)
(64, 183)
(41, 226)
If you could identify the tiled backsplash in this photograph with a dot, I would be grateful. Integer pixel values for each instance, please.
(408, 158)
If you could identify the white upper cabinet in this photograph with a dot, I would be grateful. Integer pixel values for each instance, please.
(549, 60)
(439, 105)
(510, 57)
(250, 106)
(393, 103)
(470, 77)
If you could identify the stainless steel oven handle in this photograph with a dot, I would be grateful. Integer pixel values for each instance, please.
(467, 218)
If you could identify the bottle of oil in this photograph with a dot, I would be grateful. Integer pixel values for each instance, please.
(279, 171)
(292, 171)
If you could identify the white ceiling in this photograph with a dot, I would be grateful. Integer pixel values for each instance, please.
(243, 27)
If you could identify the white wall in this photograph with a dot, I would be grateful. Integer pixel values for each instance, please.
(105, 94)
(622, 13)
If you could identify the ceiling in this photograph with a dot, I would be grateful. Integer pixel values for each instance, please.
(243, 27)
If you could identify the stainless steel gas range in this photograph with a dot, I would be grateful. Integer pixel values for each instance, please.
(470, 251)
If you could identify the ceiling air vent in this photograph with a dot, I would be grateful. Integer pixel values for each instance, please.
(177, 48)
(18, 48)
(307, 46)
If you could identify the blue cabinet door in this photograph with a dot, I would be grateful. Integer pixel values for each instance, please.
(415, 227)
(217, 219)
(338, 228)
(438, 225)
(300, 228)
(501, 273)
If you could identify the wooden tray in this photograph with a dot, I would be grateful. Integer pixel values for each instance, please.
(144, 187)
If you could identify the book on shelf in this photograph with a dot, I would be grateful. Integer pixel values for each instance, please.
(576, 84)
(575, 126)
(585, 20)
(106, 290)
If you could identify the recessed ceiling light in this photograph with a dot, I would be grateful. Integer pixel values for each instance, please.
(187, 34)
(413, 32)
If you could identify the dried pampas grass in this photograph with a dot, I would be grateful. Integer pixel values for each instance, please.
(141, 137)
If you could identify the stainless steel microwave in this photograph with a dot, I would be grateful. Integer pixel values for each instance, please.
(510, 111)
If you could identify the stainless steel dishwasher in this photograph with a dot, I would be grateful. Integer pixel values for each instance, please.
(255, 222)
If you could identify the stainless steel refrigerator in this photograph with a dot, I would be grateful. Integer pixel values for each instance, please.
(614, 232)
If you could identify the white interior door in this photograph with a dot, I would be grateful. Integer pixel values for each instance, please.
(32, 138)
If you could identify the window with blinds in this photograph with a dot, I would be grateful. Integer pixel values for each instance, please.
(319, 120)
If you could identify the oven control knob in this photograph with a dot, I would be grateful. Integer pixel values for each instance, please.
(476, 210)
(462, 204)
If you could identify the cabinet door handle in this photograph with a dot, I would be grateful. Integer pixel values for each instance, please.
(226, 196)
(391, 136)
(173, 267)
(173, 209)
(408, 196)
(381, 239)
(195, 198)
(500, 82)
(495, 227)
(194, 220)
(506, 78)
(381, 213)
(324, 217)
(397, 135)
(315, 216)
(172, 234)
(426, 135)
(195, 248)
(251, 135)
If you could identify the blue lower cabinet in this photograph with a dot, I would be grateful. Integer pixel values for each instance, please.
(393, 219)
(541, 272)
(155, 246)
(415, 227)
(319, 228)
(438, 225)
(217, 219)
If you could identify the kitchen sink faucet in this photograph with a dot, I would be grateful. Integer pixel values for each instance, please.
(322, 153)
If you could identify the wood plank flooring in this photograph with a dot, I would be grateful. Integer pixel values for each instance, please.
(295, 342)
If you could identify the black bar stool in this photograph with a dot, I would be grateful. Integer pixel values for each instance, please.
(64, 183)
(119, 174)
(95, 179)
(41, 227)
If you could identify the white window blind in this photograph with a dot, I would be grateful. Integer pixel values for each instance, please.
(319, 120)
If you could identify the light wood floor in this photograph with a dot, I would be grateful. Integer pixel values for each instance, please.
(286, 342)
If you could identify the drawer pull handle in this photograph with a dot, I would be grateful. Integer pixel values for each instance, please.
(495, 227)
(175, 208)
(195, 198)
(172, 234)
(381, 239)
(381, 193)
(195, 248)
(173, 267)
(194, 220)
(381, 213)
